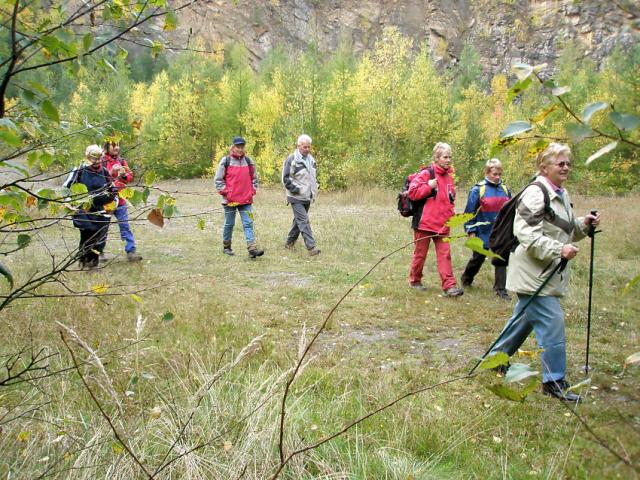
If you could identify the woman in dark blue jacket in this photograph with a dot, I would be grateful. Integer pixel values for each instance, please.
(486, 198)
(94, 222)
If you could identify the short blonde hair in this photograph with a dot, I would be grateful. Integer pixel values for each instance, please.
(493, 163)
(549, 154)
(439, 149)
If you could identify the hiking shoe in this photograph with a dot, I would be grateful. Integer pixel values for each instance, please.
(418, 286)
(228, 251)
(558, 389)
(289, 246)
(255, 252)
(132, 256)
(453, 292)
(503, 295)
(314, 251)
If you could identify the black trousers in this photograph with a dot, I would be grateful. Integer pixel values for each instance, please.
(92, 243)
(473, 267)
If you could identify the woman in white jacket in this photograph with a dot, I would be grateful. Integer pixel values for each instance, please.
(545, 238)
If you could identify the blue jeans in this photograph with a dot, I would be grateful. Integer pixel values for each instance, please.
(122, 215)
(230, 221)
(545, 317)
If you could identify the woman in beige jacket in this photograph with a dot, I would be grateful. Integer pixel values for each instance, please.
(546, 236)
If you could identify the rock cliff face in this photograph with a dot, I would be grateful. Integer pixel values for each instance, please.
(504, 32)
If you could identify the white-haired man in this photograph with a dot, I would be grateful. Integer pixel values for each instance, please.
(300, 181)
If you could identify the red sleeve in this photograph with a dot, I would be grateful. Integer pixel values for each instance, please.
(419, 187)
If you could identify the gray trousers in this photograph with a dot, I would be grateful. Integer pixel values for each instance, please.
(301, 225)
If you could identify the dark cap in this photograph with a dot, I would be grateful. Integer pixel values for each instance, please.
(238, 141)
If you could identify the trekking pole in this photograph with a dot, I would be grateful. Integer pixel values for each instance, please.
(592, 235)
(558, 268)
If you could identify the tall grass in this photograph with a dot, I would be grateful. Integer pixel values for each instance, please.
(183, 374)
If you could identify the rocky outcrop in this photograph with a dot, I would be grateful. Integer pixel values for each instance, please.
(503, 32)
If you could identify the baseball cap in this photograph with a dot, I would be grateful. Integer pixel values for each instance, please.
(238, 141)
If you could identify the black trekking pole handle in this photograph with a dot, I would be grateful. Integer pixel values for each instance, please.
(592, 234)
(558, 268)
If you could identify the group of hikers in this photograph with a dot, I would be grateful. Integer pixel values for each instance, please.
(543, 224)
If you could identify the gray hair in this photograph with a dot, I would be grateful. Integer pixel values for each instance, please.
(440, 148)
(304, 138)
(549, 154)
(493, 163)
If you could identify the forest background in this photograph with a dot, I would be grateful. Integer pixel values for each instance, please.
(373, 118)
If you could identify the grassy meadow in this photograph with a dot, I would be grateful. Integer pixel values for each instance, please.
(171, 378)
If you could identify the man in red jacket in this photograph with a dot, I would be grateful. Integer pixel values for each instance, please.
(440, 194)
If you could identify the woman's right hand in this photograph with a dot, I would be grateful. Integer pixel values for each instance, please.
(569, 251)
(433, 183)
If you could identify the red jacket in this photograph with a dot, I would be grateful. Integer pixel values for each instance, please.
(439, 209)
(119, 180)
(236, 180)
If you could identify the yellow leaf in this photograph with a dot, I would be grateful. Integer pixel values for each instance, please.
(126, 193)
(23, 436)
(227, 445)
(530, 353)
(100, 288)
(136, 298)
(110, 207)
(117, 448)
(31, 201)
(542, 115)
(155, 412)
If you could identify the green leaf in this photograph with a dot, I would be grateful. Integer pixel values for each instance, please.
(606, 149)
(79, 189)
(30, 98)
(168, 211)
(149, 177)
(39, 87)
(170, 21)
(23, 240)
(630, 284)
(4, 271)
(117, 448)
(494, 360)
(201, 224)
(32, 158)
(625, 121)
(477, 245)
(517, 88)
(522, 70)
(10, 138)
(87, 41)
(156, 49)
(515, 128)
(459, 219)
(46, 159)
(104, 63)
(518, 372)
(503, 391)
(559, 91)
(167, 317)
(145, 194)
(50, 110)
(122, 53)
(592, 108)
(578, 132)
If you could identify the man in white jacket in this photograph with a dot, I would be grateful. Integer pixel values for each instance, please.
(300, 181)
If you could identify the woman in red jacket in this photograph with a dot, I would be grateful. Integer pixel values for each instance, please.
(440, 194)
